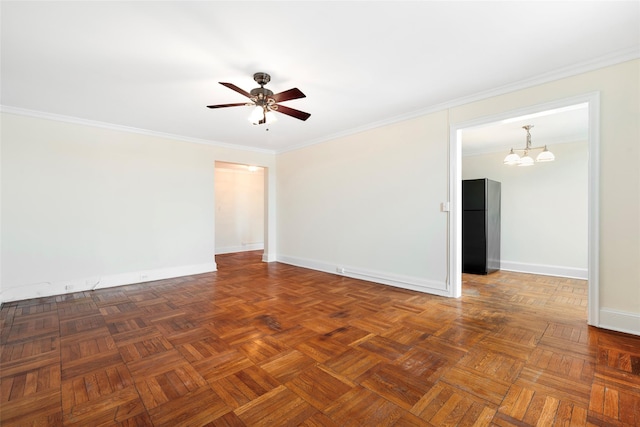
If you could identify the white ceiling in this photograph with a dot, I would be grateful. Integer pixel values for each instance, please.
(154, 66)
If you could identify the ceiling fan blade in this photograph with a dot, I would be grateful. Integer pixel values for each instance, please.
(287, 95)
(238, 104)
(236, 88)
(301, 115)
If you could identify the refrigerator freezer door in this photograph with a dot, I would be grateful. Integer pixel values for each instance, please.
(474, 195)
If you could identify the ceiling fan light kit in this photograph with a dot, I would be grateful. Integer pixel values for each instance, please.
(265, 101)
(526, 160)
(261, 115)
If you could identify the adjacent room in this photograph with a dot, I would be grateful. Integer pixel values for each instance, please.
(253, 213)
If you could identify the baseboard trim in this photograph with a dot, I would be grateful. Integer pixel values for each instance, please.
(545, 270)
(269, 257)
(241, 248)
(396, 280)
(619, 321)
(46, 289)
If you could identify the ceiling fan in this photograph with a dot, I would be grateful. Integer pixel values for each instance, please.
(265, 101)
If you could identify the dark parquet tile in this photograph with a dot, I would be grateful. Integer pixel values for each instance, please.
(259, 344)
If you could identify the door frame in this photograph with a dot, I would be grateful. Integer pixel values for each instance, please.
(269, 197)
(454, 286)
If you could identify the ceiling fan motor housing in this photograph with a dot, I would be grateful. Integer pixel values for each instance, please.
(262, 96)
(262, 78)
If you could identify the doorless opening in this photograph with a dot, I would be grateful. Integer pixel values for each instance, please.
(455, 192)
(239, 208)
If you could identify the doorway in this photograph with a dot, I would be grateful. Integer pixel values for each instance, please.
(455, 179)
(239, 208)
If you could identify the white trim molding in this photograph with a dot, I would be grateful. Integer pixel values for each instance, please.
(120, 128)
(244, 247)
(267, 257)
(623, 55)
(46, 289)
(396, 280)
(619, 321)
(455, 193)
(545, 270)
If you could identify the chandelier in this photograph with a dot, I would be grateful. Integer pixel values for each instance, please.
(526, 160)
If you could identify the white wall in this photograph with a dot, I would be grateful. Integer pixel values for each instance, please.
(369, 203)
(239, 215)
(544, 210)
(86, 207)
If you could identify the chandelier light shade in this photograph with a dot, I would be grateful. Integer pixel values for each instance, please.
(512, 158)
(545, 156)
(526, 160)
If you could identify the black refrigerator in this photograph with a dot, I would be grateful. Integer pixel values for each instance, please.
(480, 226)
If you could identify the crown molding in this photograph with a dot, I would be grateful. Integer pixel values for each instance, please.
(110, 126)
(614, 58)
(611, 59)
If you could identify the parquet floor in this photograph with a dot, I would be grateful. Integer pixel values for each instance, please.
(258, 344)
